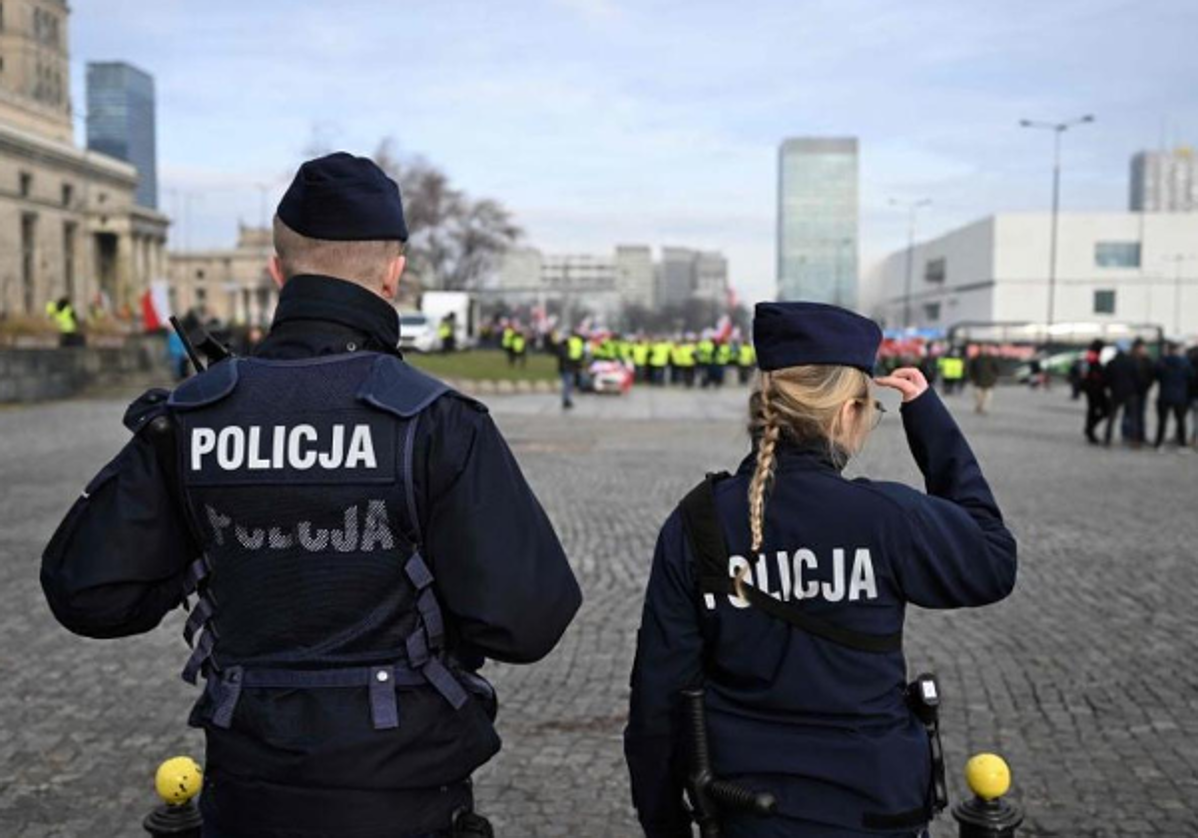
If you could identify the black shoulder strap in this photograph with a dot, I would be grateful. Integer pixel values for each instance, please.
(701, 521)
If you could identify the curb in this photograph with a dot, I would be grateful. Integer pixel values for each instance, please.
(479, 387)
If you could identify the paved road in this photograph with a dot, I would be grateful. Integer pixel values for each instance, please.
(1084, 678)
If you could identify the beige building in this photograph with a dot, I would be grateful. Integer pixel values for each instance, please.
(68, 222)
(232, 284)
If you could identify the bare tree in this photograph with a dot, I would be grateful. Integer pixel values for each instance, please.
(454, 242)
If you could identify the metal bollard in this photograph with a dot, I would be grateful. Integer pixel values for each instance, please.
(987, 815)
(178, 781)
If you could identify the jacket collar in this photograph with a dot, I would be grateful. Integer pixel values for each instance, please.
(790, 455)
(328, 299)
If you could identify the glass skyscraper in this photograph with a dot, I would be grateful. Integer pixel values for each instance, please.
(120, 121)
(817, 220)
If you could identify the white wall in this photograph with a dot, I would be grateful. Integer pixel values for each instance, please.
(966, 293)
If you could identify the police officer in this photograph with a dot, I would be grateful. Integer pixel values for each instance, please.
(359, 536)
(793, 622)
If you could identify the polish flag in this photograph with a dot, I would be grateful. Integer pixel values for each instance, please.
(155, 307)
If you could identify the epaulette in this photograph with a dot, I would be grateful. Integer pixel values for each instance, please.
(212, 385)
(399, 388)
(148, 405)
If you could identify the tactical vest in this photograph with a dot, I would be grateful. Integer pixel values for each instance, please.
(297, 477)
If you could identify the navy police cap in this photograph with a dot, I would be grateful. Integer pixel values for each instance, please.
(343, 198)
(792, 334)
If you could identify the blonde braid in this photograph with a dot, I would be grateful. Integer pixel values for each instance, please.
(763, 475)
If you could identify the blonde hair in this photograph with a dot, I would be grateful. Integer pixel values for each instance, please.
(363, 262)
(804, 405)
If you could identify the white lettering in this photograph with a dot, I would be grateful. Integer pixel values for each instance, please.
(863, 576)
(203, 441)
(802, 590)
(332, 457)
(346, 540)
(783, 575)
(763, 577)
(834, 591)
(361, 447)
(255, 442)
(230, 448)
(279, 443)
(297, 459)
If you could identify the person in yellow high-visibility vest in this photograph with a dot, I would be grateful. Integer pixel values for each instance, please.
(519, 349)
(659, 360)
(684, 361)
(505, 341)
(640, 359)
(952, 370)
(63, 314)
(746, 361)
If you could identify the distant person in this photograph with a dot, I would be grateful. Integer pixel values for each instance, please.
(570, 355)
(1075, 377)
(519, 349)
(1095, 388)
(952, 370)
(1145, 378)
(1193, 357)
(983, 374)
(447, 331)
(63, 314)
(1173, 377)
(1123, 384)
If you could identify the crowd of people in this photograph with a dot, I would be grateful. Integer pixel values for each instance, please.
(1121, 389)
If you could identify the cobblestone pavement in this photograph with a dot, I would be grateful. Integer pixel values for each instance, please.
(1084, 679)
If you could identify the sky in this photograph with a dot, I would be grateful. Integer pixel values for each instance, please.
(600, 122)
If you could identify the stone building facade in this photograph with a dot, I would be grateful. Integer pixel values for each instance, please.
(69, 225)
(231, 284)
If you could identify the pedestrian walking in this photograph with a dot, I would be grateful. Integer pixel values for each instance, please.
(782, 589)
(983, 374)
(571, 353)
(1095, 387)
(359, 536)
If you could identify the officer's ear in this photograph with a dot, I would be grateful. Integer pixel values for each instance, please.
(275, 268)
(391, 280)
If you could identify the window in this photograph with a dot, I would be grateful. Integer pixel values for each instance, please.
(199, 273)
(931, 311)
(201, 296)
(28, 261)
(68, 194)
(26, 184)
(68, 257)
(1104, 302)
(935, 270)
(1117, 254)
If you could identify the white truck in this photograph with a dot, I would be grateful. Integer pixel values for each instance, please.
(437, 305)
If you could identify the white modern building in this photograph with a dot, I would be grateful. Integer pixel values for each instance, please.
(1164, 181)
(1136, 268)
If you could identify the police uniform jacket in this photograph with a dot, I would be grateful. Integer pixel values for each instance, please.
(323, 562)
(823, 727)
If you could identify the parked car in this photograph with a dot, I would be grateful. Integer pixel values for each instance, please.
(417, 332)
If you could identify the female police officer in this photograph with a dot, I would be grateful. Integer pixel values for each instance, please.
(795, 627)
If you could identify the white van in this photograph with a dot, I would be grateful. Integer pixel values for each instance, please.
(417, 332)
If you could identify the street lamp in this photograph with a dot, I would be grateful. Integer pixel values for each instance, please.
(1058, 128)
(912, 208)
(1178, 259)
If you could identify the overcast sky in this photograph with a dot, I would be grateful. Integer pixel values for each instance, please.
(656, 121)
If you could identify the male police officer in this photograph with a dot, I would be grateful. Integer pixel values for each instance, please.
(365, 540)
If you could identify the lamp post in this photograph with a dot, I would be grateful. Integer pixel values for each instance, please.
(912, 208)
(1178, 259)
(1058, 128)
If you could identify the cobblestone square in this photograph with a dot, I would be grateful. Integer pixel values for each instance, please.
(1084, 679)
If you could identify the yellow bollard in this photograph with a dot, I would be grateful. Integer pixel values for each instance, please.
(177, 781)
(987, 815)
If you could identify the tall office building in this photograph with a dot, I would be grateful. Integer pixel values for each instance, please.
(1164, 181)
(817, 220)
(634, 274)
(120, 121)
